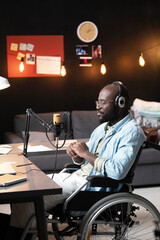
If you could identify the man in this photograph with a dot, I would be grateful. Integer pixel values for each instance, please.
(111, 151)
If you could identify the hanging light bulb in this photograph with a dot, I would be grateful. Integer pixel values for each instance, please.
(21, 65)
(141, 60)
(103, 69)
(63, 70)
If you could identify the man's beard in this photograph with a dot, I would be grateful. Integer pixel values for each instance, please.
(109, 116)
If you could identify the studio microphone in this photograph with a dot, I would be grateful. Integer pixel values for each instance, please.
(61, 125)
(57, 126)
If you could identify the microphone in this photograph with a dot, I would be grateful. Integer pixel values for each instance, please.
(57, 124)
(61, 126)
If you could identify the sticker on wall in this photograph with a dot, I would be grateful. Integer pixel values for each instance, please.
(85, 61)
(22, 46)
(20, 56)
(96, 51)
(14, 47)
(81, 49)
(30, 47)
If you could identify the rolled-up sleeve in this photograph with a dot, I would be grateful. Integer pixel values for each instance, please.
(98, 164)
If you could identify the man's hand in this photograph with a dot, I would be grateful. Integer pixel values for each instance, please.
(81, 149)
(71, 152)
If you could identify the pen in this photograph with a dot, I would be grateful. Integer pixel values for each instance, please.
(25, 164)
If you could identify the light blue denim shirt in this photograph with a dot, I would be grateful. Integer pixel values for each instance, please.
(119, 149)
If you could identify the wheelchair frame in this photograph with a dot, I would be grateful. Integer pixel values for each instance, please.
(115, 216)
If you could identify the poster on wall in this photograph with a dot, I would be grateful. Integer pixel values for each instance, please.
(42, 55)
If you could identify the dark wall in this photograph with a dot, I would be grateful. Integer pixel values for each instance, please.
(125, 29)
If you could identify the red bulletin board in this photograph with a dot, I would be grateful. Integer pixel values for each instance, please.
(38, 49)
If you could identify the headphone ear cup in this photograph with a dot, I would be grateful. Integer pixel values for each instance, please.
(121, 102)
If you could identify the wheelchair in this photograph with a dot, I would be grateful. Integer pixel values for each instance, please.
(104, 215)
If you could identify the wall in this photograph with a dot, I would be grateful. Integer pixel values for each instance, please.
(125, 28)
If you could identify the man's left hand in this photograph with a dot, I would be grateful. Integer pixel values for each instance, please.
(81, 149)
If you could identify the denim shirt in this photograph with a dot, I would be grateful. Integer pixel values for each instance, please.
(119, 149)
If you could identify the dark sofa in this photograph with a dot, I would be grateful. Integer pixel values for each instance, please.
(82, 124)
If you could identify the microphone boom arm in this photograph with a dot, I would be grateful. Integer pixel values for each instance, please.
(30, 113)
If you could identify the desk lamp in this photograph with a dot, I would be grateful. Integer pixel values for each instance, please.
(4, 83)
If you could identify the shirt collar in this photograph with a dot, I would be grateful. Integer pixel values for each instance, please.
(116, 127)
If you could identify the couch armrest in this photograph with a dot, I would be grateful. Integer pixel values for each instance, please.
(10, 137)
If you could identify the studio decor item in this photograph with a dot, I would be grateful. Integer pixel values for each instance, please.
(87, 31)
(4, 83)
(34, 55)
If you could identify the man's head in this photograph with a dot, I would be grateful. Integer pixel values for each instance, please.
(112, 104)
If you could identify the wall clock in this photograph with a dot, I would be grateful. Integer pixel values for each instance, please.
(87, 31)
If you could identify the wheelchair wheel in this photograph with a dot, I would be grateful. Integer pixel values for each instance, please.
(120, 216)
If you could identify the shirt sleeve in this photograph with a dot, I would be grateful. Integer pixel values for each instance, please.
(118, 166)
(98, 164)
(78, 163)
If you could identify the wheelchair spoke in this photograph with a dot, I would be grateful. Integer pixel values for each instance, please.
(128, 216)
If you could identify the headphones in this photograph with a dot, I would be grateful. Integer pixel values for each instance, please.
(120, 100)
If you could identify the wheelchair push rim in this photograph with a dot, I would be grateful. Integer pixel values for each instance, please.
(132, 217)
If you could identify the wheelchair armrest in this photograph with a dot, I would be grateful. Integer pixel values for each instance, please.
(101, 181)
(148, 144)
(70, 168)
(72, 165)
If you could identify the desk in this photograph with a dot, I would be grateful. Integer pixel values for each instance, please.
(33, 190)
(16, 150)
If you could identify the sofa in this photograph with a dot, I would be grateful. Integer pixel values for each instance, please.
(82, 124)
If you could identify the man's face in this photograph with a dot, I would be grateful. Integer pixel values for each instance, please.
(106, 109)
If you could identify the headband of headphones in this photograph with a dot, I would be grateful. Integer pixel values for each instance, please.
(120, 100)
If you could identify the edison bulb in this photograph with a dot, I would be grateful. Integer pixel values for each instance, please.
(141, 60)
(21, 67)
(103, 69)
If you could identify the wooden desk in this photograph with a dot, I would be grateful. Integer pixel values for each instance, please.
(33, 190)
(16, 150)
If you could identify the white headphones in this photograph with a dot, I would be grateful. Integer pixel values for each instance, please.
(120, 100)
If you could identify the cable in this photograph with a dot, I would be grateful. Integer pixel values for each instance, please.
(35, 169)
(56, 152)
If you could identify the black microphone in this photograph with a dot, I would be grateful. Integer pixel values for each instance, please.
(57, 124)
(61, 126)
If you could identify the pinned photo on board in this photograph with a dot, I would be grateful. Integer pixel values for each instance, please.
(30, 58)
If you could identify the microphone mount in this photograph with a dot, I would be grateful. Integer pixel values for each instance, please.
(57, 128)
(30, 113)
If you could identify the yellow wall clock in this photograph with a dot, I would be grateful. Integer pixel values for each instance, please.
(87, 31)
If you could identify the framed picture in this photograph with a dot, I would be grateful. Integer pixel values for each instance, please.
(96, 51)
(81, 49)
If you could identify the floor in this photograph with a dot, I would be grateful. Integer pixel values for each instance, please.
(151, 193)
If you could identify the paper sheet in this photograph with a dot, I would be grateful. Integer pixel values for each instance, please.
(48, 65)
(38, 148)
(4, 149)
(6, 168)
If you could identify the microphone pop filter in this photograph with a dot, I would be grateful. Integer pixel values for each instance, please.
(66, 123)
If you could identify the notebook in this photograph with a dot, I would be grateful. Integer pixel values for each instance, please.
(7, 180)
(6, 168)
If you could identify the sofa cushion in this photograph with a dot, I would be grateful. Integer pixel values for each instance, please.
(83, 123)
(149, 156)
